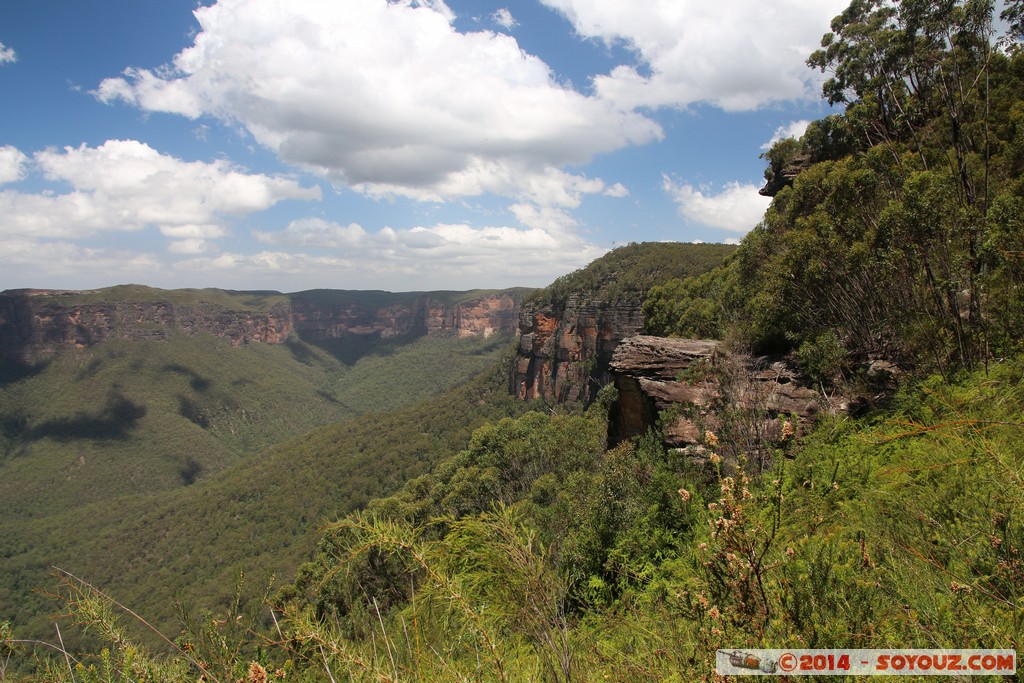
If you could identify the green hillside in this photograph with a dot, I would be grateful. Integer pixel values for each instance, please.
(259, 514)
(541, 555)
(626, 274)
(143, 417)
(124, 460)
(536, 554)
(228, 299)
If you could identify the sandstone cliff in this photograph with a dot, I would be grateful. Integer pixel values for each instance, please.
(564, 352)
(569, 330)
(694, 386)
(37, 323)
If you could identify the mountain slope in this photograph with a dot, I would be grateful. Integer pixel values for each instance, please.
(258, 515)
(141, 417)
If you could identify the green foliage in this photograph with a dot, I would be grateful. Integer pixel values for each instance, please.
(626, 274)
(888, 532)
(896, 530)
(822, 357)
(894, 227)
(252, 511)
(693, 307)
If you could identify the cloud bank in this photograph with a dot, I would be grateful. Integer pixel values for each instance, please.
(388, 98)
(126, 185)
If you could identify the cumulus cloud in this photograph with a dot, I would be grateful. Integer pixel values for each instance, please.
(388, 98)
(737, 55)
(7, 55)
(12, 164)
(793, 129)
(617, 190)
(127, 185)
(737, 207)
(62, 238)
(504, 19)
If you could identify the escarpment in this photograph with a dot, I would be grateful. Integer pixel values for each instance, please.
(35, 324)
(569, 330)
(564, 352)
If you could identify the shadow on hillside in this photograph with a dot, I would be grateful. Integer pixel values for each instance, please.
(193, 412)
(13, 425)
(195, 380)
(190, 471)
(350, 348)
(117, 419)
(300, 351)
(12, 371)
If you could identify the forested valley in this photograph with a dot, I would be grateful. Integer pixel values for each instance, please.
(513, 541)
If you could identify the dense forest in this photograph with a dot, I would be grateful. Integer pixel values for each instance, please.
(531, 550)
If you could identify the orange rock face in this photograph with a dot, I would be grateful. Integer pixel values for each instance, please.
(563, 354)
(486, 316)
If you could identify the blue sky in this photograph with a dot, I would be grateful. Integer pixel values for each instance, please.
(367, 144)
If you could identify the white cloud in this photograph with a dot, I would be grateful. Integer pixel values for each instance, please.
(737, 55)
(504, 19)
(546, 239)
(12, 164)
(61, 264)
(127, 185)
(61, 239)
(793, 129)
(7, 55)
(315, 232)
(313, 252)
(422, 257)
(617, 190)
(191, 245)
(388, 98)
(549, 219)
(737, 207)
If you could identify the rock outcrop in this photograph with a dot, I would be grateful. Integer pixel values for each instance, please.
(564, 353)
(37, 323)
(694, 386)
(778, 178)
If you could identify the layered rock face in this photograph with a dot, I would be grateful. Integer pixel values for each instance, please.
(497, 314)
(31, 323)
(35, 323)
(564, 354)
(423, 314)
(694, 386)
